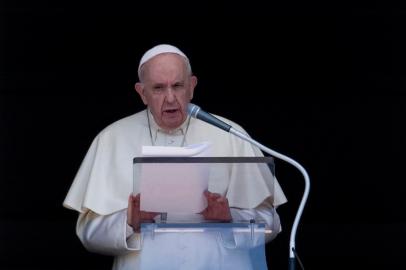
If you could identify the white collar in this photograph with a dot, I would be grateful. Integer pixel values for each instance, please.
(155, 128)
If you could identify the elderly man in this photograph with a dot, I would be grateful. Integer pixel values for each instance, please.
(110, 217)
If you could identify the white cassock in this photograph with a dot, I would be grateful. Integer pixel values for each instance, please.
(104, 182)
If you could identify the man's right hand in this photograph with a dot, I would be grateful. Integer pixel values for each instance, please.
(135, 216)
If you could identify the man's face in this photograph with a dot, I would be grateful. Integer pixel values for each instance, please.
(167, 88)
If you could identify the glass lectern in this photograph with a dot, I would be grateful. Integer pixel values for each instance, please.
(179, 237)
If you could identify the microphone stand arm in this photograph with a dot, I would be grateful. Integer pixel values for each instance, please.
(273, 153)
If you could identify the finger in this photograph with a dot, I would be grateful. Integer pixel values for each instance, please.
(136, 204)
(130, 210)
(213, 196)
(203, 212)
(210, 194)
(151, 215)
(222, 199)
(133, 199)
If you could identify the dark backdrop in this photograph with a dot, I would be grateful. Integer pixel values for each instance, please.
(322, 83)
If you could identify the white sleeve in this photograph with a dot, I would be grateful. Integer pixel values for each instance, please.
(262, 213)
(108, 234)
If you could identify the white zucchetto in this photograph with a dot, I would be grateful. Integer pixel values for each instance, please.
(159, 49)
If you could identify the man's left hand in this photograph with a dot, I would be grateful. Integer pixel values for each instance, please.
(217, 207)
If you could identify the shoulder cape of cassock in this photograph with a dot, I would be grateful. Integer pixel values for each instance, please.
(105, 178)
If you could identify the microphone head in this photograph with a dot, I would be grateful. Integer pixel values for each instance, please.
(192, 109)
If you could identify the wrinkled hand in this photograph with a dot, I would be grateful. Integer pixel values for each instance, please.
(135, 216)
(217, 207)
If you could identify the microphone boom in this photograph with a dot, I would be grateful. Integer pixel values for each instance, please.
(196, 112)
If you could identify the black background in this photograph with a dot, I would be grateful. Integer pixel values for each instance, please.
(321, 83)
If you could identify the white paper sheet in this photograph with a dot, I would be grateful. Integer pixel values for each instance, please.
(174, 187)
(193, 150)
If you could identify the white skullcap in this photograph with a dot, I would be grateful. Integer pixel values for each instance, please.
(159, 49)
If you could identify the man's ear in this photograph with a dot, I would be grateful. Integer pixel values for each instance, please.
(139, 87)
(193, 83)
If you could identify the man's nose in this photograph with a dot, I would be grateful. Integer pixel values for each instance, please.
(170, 95)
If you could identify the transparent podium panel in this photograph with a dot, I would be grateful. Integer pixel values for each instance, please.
(226, 246)
(175, 188)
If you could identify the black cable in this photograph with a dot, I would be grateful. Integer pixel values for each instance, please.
(298, 259)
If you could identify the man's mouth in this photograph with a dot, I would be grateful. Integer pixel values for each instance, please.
(171, 111)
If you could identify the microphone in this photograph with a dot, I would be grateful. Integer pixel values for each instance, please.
(195, 111)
